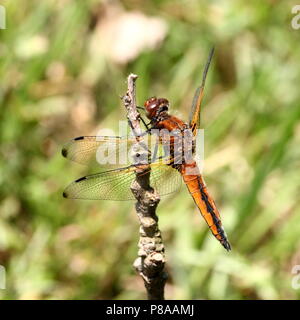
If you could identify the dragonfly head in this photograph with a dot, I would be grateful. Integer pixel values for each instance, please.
(156, 106)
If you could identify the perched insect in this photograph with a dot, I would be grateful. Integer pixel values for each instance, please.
(167, 169)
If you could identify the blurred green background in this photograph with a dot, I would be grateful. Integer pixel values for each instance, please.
(63, 66)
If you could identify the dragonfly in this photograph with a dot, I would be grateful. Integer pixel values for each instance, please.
(166, 172)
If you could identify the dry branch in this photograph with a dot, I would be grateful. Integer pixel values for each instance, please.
(151, 258)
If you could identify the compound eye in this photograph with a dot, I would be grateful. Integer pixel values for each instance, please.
(163, 103)
(150, 101)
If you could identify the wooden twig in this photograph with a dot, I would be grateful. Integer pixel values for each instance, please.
(151, 258)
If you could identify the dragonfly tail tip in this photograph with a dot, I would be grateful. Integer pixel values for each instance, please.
(226, 245)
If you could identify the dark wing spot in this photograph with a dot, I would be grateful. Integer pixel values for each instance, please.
(80, 179)
(64, 152)
(79, 138)
(65, 195)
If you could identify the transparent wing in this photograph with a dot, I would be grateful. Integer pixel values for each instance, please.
(194, 120)
(165, 179)
(115, 184)
(94, 149)
(106, 150)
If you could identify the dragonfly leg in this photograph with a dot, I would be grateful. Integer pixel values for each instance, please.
(145, 124)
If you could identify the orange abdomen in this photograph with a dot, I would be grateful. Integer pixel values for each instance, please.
(204, 201)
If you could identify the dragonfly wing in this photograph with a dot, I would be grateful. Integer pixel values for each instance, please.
(103, 150)
(115, 184)
(165, 179)
(194, 120)
(107, 185)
